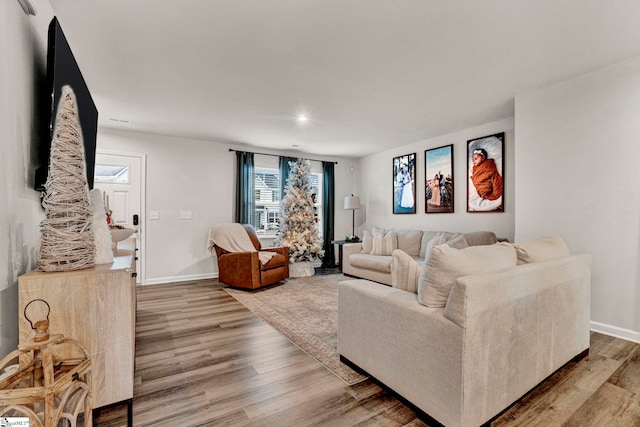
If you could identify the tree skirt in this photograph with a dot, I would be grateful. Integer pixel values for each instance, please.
(304, 310)
(301, 269)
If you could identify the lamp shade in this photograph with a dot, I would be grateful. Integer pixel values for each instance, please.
(352, 202)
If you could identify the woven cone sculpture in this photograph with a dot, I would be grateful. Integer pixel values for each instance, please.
(67, 238)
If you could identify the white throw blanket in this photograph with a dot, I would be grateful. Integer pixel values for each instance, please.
(232, 237)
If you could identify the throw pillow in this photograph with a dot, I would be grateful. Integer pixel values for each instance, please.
(438, 239)
(405, 271)
(427, 236)
(384, 244)
(457, 241)
(377, 230)
(446, 264)
(367, 242)
(544, 249)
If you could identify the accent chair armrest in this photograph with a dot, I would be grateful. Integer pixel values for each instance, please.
(236, 268)
(284, 250)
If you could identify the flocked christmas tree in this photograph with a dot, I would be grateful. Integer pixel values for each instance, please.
(67, 236)
(298, 228)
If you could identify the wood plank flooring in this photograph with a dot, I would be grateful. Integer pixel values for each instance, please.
(202, 359)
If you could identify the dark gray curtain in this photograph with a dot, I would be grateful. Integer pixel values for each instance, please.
(284, 173)
(245, 188)
(328, 211)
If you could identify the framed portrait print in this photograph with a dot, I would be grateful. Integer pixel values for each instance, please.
(485, 167)
(438, 180)
(404, 189)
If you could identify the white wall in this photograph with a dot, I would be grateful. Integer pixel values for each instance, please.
(22, 74)
(578, 147)
(375, 187)
(194, 175)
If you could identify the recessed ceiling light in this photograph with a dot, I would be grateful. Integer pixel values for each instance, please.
(302, 118)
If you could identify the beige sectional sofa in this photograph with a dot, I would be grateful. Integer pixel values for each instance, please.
(359, 261)
(496, 336)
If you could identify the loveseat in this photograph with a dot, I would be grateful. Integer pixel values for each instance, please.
(498, 333)
(372, 258)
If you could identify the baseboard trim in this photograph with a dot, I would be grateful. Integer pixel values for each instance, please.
(163, 280)
(614, 331)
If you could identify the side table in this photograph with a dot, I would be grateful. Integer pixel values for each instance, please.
(340, 243)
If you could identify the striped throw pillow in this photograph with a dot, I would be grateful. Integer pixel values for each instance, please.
(405, 271)
(384, 244)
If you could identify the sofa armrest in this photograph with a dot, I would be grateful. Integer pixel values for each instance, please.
(521, 325)
(472, 296)
(410, 348)
(349, 249)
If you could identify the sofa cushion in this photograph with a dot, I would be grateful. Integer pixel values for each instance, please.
(410, 241)
(446, 264)
(478, 238)
(544, 249)
(367, 242)
(384, 244)
(378, 263)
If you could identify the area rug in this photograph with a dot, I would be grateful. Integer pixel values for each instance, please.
(305, 310)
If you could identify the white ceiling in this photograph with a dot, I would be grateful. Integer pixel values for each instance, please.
(372, 74)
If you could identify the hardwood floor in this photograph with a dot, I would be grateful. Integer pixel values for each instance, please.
(202, 359)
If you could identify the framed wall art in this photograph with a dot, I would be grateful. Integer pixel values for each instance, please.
(485, 167)
(404, 189)
(438, 181)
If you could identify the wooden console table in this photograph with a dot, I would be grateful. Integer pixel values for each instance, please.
(97, 307)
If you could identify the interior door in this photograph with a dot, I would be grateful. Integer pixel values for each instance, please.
(120, 177)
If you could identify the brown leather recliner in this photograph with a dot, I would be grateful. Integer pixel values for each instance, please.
(244, 270)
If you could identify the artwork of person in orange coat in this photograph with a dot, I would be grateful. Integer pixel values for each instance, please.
(487, 182)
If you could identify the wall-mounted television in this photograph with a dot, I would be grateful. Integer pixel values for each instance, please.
(62, 69)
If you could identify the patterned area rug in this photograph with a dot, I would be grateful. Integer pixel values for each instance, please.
(305, 310)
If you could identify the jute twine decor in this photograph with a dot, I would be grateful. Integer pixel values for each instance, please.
(67, 238)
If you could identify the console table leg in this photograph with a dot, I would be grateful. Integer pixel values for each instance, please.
(130, 413)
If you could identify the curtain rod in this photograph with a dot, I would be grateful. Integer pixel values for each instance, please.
(277, 155)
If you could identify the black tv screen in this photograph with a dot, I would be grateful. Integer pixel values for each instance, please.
(62, 69)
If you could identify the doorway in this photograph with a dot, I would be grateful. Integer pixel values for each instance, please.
(120, 176)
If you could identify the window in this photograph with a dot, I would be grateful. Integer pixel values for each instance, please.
(267, 201)
(267, 194)
(112, 174)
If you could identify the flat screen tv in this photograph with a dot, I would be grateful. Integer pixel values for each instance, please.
(62, 69)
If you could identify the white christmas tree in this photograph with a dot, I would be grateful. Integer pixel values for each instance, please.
(298, 228)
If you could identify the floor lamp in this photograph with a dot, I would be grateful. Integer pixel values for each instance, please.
(352, 203)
